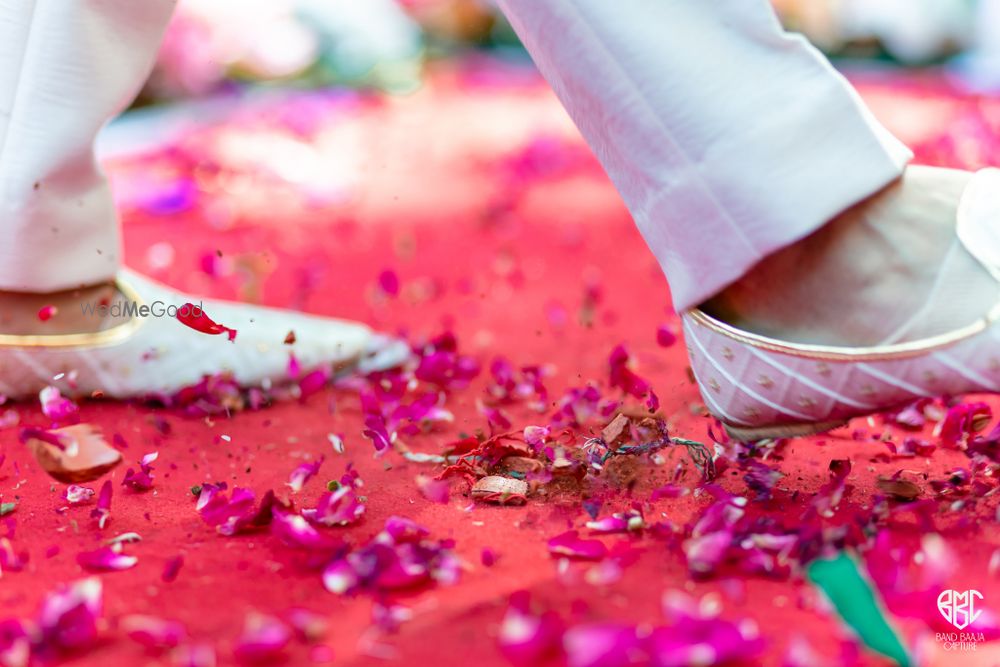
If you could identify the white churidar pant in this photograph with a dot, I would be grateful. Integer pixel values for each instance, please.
(66, 67)
(727, 138)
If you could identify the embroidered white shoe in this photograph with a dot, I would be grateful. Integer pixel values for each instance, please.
(760, 387)
(158, 355)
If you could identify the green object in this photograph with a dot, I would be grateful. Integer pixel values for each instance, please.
(856, 602)
(7, 508)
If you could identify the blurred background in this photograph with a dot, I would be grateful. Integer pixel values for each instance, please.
(387, 44)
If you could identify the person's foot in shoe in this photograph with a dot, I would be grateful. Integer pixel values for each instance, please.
(890, 269)
(126, 340)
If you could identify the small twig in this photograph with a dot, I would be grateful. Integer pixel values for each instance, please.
(699, 453)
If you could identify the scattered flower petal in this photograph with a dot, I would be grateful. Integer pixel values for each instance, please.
(194, 317)
(263, 639)
(105, 559)
(302, 474)
(571, 545)
(78, 495)
(56, 407)
(153, 633)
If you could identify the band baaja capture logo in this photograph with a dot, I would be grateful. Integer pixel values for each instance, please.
(959, 609)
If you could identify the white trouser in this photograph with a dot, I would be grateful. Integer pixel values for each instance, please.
(727, 138)
(66, 67)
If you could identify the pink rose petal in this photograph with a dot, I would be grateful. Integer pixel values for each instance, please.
(143, 479)
(105, 559)
(194, 317)
(263, 639)
(57, 408)
(338, 508)
(526, 637)
(571, 545)
(303, 473)
(665, 336)
(171, 569)
(152, 633)
(68, 618)
(103, 510)
(434, 490)
(298, 533)
(77, 495)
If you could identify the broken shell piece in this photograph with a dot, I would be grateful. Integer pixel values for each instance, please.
(615, 431)
(500, 490)
(85, 456)
(898, 489)
(125, 538)
(567, 467)
(521, 465)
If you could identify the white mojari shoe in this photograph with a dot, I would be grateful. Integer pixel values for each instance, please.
(157, 356)
(760, 387)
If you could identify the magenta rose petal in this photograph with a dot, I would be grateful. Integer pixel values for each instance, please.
(602, 645)
(527, 637)
(143, 479)
(303, 473)
(434, 490)
(622, 522)
(11, 560)
(105, 559)
(194, 655)
(340, 577)
(622, 376)
(153, 633)
(296, 532)
(69, 617)
(337, 508)
(665, 336)
(263, 640)
(15, 642)
(402, 556)
(172, 568)
(56, 407)
(308, 626)
(233, 514)
(194, 317)
(78, 495)
(46, 313)
(103, 510)
(571, 545)
(388, 282)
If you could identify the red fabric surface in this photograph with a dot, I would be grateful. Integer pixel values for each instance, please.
(507, 263)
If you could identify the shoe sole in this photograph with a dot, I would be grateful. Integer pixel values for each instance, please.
(752, 434)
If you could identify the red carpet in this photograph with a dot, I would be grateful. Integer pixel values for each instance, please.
(478, 195)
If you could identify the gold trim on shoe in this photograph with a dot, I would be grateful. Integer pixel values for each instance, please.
(834, 353)
(110, 336)
(776, 431)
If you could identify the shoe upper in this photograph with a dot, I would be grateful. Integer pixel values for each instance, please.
(753, 381)
(159, 355)
(749, 383)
